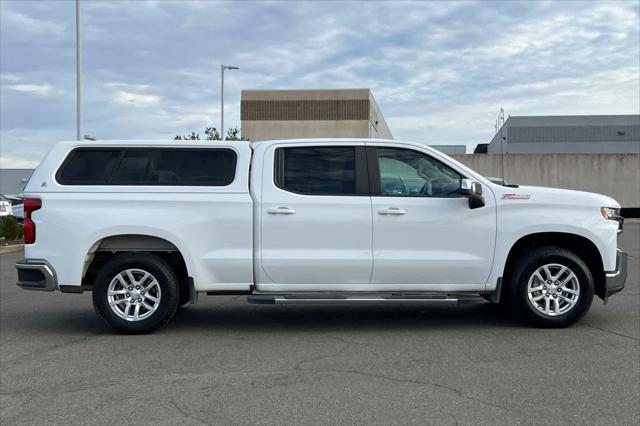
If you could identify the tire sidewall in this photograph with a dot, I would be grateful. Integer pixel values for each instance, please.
(156, 267)
(534, 260)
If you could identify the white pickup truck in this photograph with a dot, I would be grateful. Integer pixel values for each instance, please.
(147, 226)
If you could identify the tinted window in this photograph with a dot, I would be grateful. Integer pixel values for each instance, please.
(133, 167)
(404, 172)
(174, 166)
(317, 170)
(88, 167)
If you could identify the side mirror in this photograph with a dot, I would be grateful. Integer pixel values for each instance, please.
(473, 191)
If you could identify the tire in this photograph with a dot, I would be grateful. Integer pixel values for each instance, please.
(537, 293)
(147, 301)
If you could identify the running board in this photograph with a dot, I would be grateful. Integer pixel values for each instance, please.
(266, 299)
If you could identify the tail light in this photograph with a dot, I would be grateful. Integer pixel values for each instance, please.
(30, 205)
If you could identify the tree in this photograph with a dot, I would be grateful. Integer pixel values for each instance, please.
(212, 134)
(191, 137)
(233, 134)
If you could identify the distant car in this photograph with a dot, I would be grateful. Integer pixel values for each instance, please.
(5, 206)
(17, 205)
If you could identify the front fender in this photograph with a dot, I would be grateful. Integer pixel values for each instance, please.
(517, 222)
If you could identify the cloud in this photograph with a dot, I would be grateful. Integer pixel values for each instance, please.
(30, 145)
(32, 89)
(17, 163)
(129, 94)
(24, 26)
(440, 71)
(9, 77)
(136, 99)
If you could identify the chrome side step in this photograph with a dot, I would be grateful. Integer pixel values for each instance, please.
(283, 299)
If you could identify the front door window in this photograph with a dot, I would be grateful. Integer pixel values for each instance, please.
(407, 173)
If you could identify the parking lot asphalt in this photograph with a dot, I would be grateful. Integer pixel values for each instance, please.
(224, 361)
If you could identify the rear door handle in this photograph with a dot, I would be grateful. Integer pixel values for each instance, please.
(281, 210)
(392, 211)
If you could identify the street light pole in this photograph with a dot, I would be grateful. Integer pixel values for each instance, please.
(221, 102)
(78, 76)
(222, 68)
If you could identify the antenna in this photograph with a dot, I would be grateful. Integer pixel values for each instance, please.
(500, 124)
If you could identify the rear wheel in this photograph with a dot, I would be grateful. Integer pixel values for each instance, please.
(551, 287)
(136, 293)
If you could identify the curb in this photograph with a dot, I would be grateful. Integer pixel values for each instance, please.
(11, 249)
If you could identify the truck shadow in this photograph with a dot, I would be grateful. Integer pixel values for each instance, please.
(234, 315)
(269, 318)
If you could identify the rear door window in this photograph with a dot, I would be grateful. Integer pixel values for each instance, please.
(317, 170)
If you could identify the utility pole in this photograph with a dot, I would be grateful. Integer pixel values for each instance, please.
(78, 76)
(221, 102)
(500, 125)
(222, 68)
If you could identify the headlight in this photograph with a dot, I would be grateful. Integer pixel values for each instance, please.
(611, 213)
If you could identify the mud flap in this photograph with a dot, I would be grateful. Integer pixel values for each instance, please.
(193, 295)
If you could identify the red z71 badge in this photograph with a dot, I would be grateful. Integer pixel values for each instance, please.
(516, 196)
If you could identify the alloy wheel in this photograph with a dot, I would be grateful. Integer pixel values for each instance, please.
(553, 289)
(134, 294)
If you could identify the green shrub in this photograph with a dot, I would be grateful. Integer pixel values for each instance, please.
(10, 229)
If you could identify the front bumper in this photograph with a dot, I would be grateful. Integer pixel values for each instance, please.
(614, 281)
(36, 274)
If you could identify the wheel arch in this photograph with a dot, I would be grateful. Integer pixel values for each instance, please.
(112, 245)
(578, 244)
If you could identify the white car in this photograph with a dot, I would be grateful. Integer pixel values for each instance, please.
(17, 206)
(5, 206)
(148, 226)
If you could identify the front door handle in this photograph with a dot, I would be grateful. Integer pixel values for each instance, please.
(281, 210)
(392, 211)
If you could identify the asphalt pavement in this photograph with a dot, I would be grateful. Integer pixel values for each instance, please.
(224, 361)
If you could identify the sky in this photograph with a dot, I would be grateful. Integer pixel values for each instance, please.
(440, 71)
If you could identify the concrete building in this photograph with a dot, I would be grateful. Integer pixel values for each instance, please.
(289, 114)
(13, 181)
(615, 175)
(451, 149)
(571, 134)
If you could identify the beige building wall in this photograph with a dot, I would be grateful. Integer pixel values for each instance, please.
(304, 94)
(378, 128)
(289, 114)
(292, 129)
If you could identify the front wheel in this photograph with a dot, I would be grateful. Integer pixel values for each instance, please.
(136, 293)
(551, 287)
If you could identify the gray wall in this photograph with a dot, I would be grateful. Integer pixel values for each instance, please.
(615, 175)
(588, 134)
(450, 149)
(13, 181)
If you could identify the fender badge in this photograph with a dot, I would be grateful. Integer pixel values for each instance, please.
(516, 196)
